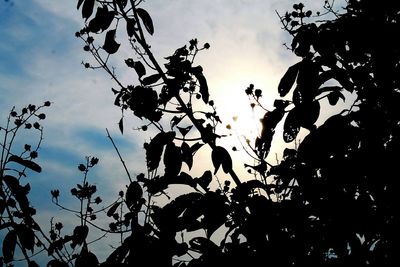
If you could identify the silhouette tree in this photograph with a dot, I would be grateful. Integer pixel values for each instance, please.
(16, 213)
(330, 201)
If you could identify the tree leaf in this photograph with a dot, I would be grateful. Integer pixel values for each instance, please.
(333, 97)
(9, 242)
(139, 68)
(155, 148)
(167, 217)
(172, 160)
(269, 123)
(110, 45)
(198, 73)
(121, 125)
(205, 180)
(188, 152)
(184, 130)
(220, 156)
(288, 80)
(106, 19)
(248, 187)
(33, 264)
(147, 21)
(26, 163)
(56, 263)
(307, 114)
(187, 155)
(2, 208)
(182, 178)
(151, 79)
(86, 259)
(215, 211)
(291, 127)
(26, 237)
(102, 20)
(308, 81)
(112, 209)
(175, 121)
(196, 147)
(133, 195)
(12, 183)
(118, 255)
(87, 8)
(79, 235)
(130, 26)
(137, 65)
(79, 4)
(204, 246)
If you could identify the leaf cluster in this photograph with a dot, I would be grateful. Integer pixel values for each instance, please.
(330, 201)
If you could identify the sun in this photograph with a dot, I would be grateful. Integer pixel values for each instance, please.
(240, 125)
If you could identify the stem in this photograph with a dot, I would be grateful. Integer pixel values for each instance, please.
(119, 155)
(4, 145)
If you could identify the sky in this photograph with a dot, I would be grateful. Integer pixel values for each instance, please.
(40, 60)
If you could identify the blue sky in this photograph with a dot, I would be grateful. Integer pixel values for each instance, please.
(40, 59)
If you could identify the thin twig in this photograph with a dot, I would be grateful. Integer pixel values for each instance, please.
(119, 155)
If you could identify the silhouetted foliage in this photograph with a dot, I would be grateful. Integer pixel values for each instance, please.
(330, 201)
(16, 213)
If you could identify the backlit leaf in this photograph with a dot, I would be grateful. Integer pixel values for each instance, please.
(175, 121)
(86, 259)
(187, 155)
(133, 195)
(26, 163)
(87, 8)
(121, 125)
(334, 96)
(288, 80)
(291, 126)
(9, 242)
(196, 147)
(308, 114)
(79, 235)
(56, 263)
(147, 21)
(33, 264)
(12, 183)
(110, 45)
(184, 130)
(130, 26)
(172, 159)
(155, 148)
(113, 209)
(151, 79)
(205, 180)
(204, 245)
(269, 123)
(137, 65)
(182, 178)
(102, 20)
(219, 157)
(26, 237)
(79, 4)
(197, 72)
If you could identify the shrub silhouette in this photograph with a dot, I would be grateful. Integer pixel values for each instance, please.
(331, 201)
